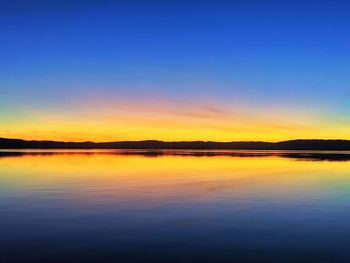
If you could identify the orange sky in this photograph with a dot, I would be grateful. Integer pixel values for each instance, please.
(169, 120)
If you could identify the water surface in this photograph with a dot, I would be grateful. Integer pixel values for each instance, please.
(174, 206)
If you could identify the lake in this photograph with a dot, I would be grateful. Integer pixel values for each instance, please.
(174, 206)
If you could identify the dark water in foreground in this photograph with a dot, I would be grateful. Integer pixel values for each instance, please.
(174, 206)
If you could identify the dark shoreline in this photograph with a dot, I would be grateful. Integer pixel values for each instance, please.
(333, 145)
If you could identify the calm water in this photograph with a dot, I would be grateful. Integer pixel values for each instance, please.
(174, 206)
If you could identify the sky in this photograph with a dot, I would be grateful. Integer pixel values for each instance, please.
(174, 70)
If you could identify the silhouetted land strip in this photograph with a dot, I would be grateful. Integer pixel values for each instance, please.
(334, 145)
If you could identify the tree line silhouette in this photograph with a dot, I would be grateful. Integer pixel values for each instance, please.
(154, 144)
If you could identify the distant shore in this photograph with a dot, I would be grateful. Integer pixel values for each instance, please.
(316, 144)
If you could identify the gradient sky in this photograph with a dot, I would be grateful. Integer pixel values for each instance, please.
(174, 70)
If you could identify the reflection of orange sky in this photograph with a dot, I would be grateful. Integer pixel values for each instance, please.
(161, 119)
(109, 178)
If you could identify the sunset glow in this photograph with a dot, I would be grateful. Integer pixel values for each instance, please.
(167, 120)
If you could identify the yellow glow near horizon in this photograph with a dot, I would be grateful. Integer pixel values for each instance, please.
(168, 121)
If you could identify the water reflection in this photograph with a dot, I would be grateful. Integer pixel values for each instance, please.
(182, 206)
(303, 155)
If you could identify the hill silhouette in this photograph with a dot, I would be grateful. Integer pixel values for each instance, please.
(154, 144)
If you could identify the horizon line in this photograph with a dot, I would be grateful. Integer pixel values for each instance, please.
(175, 141)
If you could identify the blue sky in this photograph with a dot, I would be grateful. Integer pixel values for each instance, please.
(292, 55)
